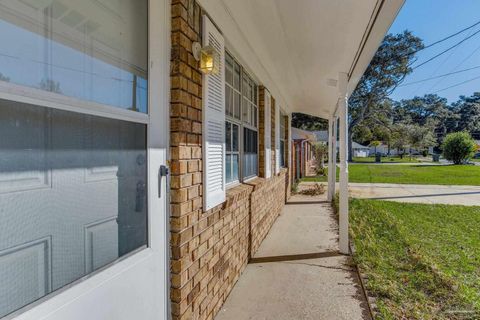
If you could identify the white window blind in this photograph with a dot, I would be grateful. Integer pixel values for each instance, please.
(214, 122)
(268, 134)
(277, 139)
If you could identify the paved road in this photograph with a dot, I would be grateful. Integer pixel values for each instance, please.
(462, 195)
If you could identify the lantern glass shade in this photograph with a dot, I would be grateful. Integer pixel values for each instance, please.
(209, 60)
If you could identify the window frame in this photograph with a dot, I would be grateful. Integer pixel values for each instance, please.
(231, 153)
(42, 98)
(157, 135)
(283, 139)
(242, 122)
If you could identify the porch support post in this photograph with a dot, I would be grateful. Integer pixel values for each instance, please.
(332, 155)
(343, 205)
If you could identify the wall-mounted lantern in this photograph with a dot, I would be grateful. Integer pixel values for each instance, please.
(209, 58)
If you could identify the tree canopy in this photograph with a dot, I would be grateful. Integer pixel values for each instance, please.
(419, 122)
(389, 66)
(307, 122)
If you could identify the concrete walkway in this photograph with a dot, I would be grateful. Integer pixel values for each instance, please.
(414, 193)
(297, 272)
(438, 194)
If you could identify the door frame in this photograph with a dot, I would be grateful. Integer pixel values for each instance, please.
(156, 254)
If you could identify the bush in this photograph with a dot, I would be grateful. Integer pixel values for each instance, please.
(321, 171)
(458, 147)
(294, 187)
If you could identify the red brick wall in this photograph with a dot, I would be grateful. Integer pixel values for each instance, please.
(209, 250)
(268, 199)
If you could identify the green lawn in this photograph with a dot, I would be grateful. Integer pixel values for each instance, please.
(411, 174)
(416, 174)
(314, 179)
(405, 159)
(421, 261)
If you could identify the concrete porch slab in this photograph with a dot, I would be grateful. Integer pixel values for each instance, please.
(301, 229)
(281, 283)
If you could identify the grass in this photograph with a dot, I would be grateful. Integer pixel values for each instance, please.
(314, 179)
(405, 159)
(411, 174)
(421, 261)
(416, 174)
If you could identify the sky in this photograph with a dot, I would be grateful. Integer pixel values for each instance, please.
(432, 20)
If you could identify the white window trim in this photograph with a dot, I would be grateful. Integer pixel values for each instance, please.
(237, 123)
(250, 179)
(283, 119)
(277, 139)
(28, 95)
(241, 122)
(267, 136)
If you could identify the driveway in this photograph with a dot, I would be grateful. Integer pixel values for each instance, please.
(438, 194)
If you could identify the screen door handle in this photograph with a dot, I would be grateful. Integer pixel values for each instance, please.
(162, 172)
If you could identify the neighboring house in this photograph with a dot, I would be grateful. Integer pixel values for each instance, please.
(359, 150)
(382, 149)
(139, 182)
(303, 143)
(321, 136)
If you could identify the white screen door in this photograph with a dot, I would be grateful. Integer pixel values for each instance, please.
(83, 127)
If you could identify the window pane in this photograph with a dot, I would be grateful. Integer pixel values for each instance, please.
(228, 163)
(73, 191)
(228, 136)
(246, 114)
(228, 69)
(236, 77)
(234, 137)
(250, 157)
(234, 167)
(228, 100)
(283, 132)
(237, 105)
(95, 51)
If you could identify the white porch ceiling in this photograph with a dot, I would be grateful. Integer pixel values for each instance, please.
(294, 46)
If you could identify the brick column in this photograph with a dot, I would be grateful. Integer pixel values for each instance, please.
(185, 151)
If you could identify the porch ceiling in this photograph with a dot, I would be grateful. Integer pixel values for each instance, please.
(294, 47)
